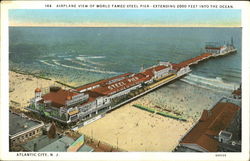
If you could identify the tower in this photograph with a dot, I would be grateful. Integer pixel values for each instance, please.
(232, 41)
(38, 97)
(142, 68)
(38, 93)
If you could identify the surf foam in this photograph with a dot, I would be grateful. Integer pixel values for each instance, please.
(210, 83)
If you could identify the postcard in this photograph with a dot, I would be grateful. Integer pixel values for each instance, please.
(125, 80)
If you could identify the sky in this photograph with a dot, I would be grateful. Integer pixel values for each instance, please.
(125, 18)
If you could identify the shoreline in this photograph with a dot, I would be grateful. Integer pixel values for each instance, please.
(41, 77)
(22, 86)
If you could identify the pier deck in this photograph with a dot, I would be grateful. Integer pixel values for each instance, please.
(192, 61)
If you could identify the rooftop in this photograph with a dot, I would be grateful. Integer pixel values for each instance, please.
(85, 148)
(110, 88)
(40, 143)
(210, 124)
(18, 123)
(235, 127)
(102, 81)
(59, 145)
(58, 98)
(189, 61)
(213, 47)
(150, 71)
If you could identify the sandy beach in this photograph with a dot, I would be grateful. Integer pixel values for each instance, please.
(133, 129)
(128, 127)
(22, 88)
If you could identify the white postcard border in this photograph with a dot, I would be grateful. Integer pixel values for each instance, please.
(244, 155)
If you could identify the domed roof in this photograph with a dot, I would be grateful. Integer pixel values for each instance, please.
(69, 97)
(37, 90)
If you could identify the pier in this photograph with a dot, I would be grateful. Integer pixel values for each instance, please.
(192, 61)
(76, 106)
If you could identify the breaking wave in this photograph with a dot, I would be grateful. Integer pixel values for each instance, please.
(81, 58)
(92, 57)
(44, 62)
(67, 59)
(210, 83)
(83, 64)
(86, 59)
(84, 69)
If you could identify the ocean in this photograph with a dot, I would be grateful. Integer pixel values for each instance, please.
(78, 56)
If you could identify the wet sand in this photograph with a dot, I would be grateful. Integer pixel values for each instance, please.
(182, 98)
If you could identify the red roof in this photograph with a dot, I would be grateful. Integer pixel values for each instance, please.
(37, 90)
(102, 81)
(210, 124)
(205, 115)
(189, 61)
(150, 71)
(107, 86)
(159, 67)
(214, 48)
(58, 98)
(107, 89)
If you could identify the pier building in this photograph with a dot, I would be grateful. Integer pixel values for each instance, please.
(92, 99)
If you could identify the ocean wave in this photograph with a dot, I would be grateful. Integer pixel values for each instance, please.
(83, 57)
(68, 59)
(94, 63)
(82, 64)
(63, 56)
(233, 73)
(95, 57)
(84, 69)
(86, 59)
(209, 83)
(44, 62)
